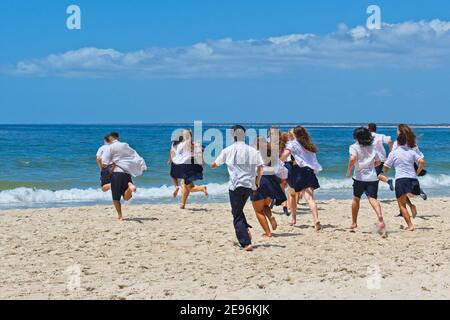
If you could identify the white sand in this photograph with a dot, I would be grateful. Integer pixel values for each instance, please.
(164, 252)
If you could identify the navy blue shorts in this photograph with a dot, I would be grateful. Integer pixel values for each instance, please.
(105, 175)
(269, 188)
(405, 186)
(369, 188)
(119, 184)
(177, 170)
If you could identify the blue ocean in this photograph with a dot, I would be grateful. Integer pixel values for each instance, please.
(54, 165)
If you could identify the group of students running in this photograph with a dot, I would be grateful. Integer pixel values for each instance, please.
(264, 170)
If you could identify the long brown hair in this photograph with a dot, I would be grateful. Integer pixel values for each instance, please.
(304, 139)
(409, 134)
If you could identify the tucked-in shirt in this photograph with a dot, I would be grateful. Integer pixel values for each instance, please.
(366, 156)
(242, 162)
(379, 141)
(403, 159)
(125, 158)
(303, 157)
(101, 151)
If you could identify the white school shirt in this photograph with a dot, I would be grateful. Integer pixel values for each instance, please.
(101, 151)
(403, 159)
(278, 170)
(182, 154)
(415, 149)
(366, 156)
(125, 157)
(303, 157)
(242, 162)
(379, 141)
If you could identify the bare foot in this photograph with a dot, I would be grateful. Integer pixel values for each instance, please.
(353, 226)
(414, 211)
(120, 218)
(293, 222)
(410, 228)
(132, 187)
(273, 223)
(265, 235)
(381, 227)
(205, 191)
(318, 226)
(183, 206)
(175, 193)
(248, 248)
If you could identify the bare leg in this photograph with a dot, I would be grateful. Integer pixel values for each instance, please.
(106, 187)
(118, 207)
(177, 187)
(268, 213)
(129, 192)
(309, 197)
(355, 209)
(377, 207)
(402, 205)
(292, 204)
(258, 206)
(204, 189)
(185, 190)
(383, 178)
(412, 207)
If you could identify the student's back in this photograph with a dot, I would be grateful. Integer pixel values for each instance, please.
(403, 159)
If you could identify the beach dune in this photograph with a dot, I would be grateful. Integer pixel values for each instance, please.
(161, 251)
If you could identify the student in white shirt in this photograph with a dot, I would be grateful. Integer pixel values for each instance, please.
(270, 187)
(105, 168)
(188, 160)
(304, 152)
(380, 140)
(175, 170)
(244, 165)
(364, 157)
(406, 183)
(411, 142)
(125, 163)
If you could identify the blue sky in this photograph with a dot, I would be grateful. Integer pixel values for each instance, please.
(249, 61)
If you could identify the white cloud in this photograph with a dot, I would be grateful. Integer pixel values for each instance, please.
(380, 93)
(423, 44)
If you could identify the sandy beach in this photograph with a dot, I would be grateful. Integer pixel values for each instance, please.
(161, 251)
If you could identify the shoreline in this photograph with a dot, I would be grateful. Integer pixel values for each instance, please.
(163, 252)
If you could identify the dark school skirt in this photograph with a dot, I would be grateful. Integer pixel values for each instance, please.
(188, 172)
(293, 174)
(269, 188)
(105, 175)
(119, 184)
(301, 178)
(369, 188)
(405, 186)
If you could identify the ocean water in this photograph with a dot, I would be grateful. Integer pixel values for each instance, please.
(54, 165)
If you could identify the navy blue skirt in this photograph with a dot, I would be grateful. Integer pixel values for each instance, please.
(269, 188)
(188, 172)
(405, 186)
(303, 178)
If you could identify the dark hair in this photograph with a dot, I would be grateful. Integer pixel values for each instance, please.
(114, 135)
(372, 127)
(409, 134)
(107, 138)
(402, 139)
(363, 136)
(304, 139)
(235, 132)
